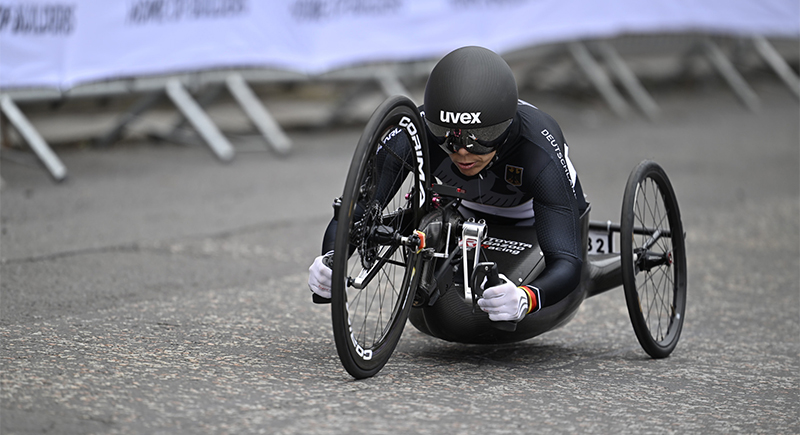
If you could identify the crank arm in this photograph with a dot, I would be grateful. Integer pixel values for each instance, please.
(415, 242)
(472, 234)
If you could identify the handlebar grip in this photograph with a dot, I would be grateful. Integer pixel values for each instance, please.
(492, 275)
(327, 260)
(489, 270)
(317, 299)
(505, 325)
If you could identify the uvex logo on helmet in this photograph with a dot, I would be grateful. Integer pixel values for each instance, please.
(460, 118)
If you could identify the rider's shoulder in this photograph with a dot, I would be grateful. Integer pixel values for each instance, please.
(534, 119)
(537, 135)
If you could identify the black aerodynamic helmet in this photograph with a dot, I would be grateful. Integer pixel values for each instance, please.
(470, 100)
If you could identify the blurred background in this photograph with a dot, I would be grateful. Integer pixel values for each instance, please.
(95, 74)
(168, 168)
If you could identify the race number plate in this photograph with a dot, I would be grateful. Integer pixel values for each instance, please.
(600, 242)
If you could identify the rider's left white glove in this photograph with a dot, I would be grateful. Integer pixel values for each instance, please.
(504, 302)
(319, 278)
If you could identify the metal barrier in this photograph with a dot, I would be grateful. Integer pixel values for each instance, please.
(601, 61)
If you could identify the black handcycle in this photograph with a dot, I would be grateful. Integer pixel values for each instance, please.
(405, 247)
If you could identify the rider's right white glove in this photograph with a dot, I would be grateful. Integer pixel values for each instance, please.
(504, 302)
(319, 278)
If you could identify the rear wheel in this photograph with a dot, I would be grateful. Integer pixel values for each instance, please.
(653, 259)
(374, 270)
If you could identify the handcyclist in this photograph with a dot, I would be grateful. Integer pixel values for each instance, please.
(511, 160)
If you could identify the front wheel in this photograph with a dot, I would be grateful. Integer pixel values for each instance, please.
(374, 273)
(653, 259)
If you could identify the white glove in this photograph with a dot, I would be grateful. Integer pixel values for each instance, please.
(319, 278)
(504, 302)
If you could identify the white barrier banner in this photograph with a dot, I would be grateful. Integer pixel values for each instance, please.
(62, 43)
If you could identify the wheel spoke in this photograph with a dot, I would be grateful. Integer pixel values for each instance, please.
(654, 216)
(653, 288)
(383, 200)
(653, 260)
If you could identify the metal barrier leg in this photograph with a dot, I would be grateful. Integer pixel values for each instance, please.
(3, 141)
(629, 80)
(344, 104)
(729, 73)
(391, 85)
(34, 139)
(776, 62)
(139, 107)
(599, 78)
(208, 96)
(199, 120)
(262, 119)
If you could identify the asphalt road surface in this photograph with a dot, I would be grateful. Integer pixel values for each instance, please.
(160, 291)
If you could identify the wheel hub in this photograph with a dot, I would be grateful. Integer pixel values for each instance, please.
(368, 246)
(647, 260)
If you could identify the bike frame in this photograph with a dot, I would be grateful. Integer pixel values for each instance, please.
(601, 272)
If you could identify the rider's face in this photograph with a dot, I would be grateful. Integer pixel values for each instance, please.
(471, 164)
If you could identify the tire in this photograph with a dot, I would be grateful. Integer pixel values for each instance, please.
(653, 268)
(368, 321)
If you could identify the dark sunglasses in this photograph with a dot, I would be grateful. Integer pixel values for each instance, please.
(482, 140)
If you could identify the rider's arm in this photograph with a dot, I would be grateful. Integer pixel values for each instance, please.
(559, 233)
(391, 172)
(329, 238)
(559, 278)
(390, 175)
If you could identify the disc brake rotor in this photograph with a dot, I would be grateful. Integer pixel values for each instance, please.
(368, 247)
